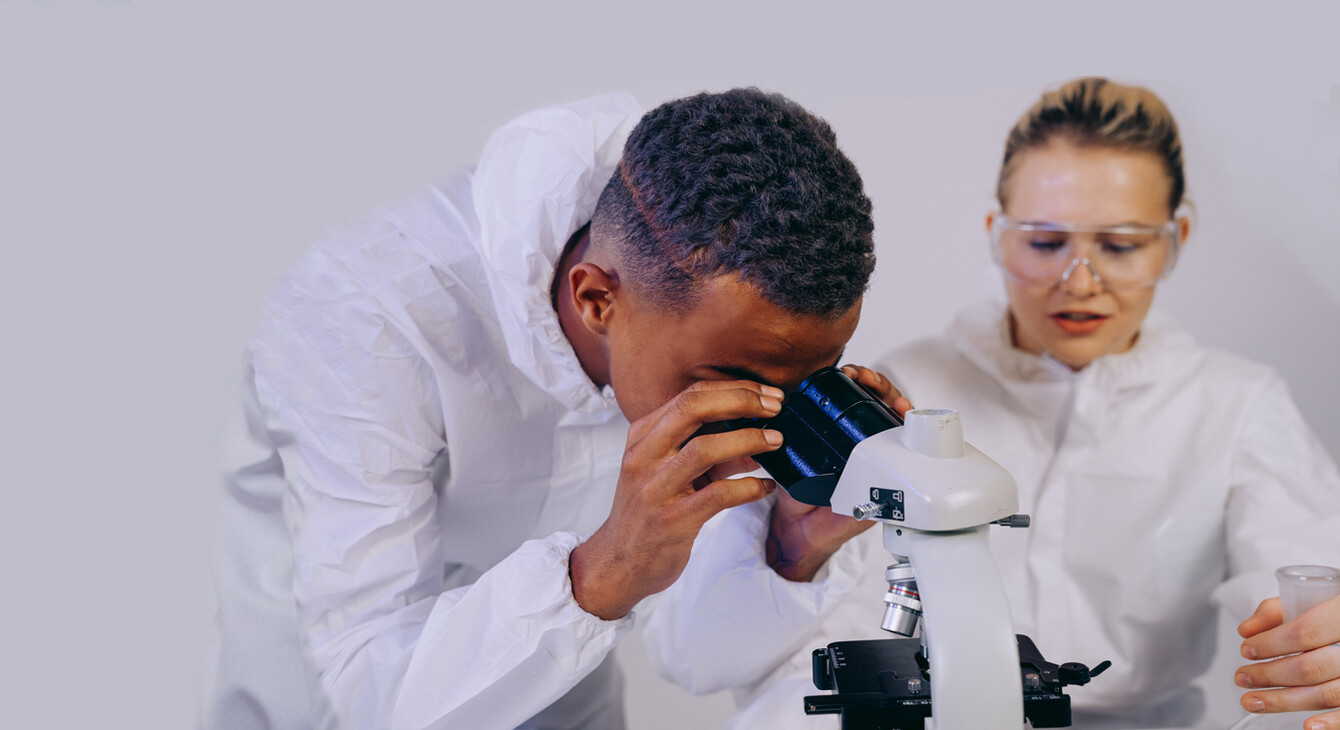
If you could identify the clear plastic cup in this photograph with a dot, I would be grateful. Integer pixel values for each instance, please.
(1304, 586)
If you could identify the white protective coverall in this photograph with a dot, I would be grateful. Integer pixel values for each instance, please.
(420, 453)
(1162, 482)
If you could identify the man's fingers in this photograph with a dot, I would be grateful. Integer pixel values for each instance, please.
(642, 426)
(704, 452)
(726, 493)
(726, 470)
(688, 411)
(876, 383)
(1266, 617)
(1316, 628)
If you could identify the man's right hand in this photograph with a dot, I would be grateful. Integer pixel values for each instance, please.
(644, 544)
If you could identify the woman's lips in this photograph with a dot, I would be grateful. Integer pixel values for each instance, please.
(1078, 323)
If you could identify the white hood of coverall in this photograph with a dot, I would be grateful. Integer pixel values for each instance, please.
(529, 205)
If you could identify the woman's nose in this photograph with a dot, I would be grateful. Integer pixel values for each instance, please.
(1079, 279)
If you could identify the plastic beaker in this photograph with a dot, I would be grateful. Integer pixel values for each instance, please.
(1304, 586)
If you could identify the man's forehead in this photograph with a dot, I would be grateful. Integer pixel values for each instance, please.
(727, 294)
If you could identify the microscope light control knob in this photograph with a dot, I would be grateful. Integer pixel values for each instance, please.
(867, 511)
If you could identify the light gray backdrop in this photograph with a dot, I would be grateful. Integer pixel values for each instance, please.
(161, 166)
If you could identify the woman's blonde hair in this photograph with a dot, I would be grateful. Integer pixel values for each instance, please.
(1095, 112)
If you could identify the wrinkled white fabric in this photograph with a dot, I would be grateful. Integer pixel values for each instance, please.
(420, 453)
(751, 610)
(1165, 485)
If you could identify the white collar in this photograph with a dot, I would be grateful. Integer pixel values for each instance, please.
(982, 334)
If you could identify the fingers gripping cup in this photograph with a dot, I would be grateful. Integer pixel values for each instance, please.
(1301, 588)
(1305, 586)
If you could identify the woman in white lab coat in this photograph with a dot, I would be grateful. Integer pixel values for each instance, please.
(1165, 480)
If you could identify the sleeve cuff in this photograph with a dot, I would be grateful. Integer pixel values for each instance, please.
(560, 545)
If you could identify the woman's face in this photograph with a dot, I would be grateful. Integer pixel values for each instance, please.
(1078, 320)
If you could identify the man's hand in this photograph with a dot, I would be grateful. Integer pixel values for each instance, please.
(802, 537)
(644, 544)
(1307, 670)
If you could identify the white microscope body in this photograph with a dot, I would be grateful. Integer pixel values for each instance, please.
(937, 496)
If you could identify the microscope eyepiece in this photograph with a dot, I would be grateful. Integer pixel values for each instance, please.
(822, 421)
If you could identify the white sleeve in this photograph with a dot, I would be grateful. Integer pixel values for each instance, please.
(730, 619)
(357, 425)
(1284, 503)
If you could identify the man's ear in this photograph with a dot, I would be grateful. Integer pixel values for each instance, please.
(593, 293)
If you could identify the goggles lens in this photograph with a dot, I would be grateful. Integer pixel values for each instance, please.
(1119, 257)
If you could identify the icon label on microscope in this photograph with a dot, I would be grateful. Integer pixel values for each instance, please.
(890, 502)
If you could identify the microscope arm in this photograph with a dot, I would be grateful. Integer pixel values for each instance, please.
(967, 621)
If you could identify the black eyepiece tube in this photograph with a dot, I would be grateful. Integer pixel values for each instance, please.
(822, 421)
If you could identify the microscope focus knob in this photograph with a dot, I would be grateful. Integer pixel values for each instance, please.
(1074, 673)
(934, 432)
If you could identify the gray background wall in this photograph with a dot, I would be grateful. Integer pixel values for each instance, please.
(160, 166)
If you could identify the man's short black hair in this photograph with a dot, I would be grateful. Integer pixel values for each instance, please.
(739, 182)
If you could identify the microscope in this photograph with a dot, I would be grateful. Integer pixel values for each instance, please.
(937, 497)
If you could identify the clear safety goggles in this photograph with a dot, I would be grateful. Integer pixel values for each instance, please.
(1044, 253)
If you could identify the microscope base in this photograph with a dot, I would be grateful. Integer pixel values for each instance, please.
(885, 684)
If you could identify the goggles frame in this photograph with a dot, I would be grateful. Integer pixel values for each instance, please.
(1169, 230)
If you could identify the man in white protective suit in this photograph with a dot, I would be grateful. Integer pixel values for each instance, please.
(437, 514)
